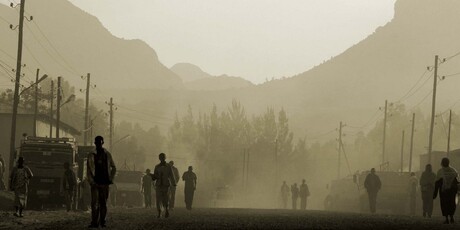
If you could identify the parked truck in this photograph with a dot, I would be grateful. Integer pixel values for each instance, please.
(46, 157)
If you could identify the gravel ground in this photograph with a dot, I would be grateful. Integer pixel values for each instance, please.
(137, 218)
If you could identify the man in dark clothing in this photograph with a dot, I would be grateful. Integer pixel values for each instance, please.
(164, 178)
(304, 193)
(295, 195)
(447, 185)
(69, 182)
(372, 185)
(412, 193)
(172, 189)
(100, 173)
(146, 188)
(284, 194)
(190, 186)
(427, 181)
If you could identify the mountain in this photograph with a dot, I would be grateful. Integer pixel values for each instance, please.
(189, 72)
(65, 41)
(195, 78)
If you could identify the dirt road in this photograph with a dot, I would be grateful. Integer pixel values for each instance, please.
(137, 218)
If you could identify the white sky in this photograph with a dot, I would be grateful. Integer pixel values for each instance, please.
(254, 39)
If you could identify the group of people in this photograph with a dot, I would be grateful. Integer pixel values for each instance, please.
(101, 171)
(296, 192)
(166, 177)
(444, 184)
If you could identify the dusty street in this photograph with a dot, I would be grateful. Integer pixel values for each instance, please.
(137, 218)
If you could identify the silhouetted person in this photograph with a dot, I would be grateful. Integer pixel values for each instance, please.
(189, 178)
(69, 186)
(2, 172)
(164, 179)
(100, 173)
(146, 188)
(304, 193)
(172, 188)
(446, 184)
(372, 184)
(412, 193)
(19, 184)
(427, 181)
(295, 195)
(284, 194)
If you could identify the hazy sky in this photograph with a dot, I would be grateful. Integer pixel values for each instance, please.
(254, 39)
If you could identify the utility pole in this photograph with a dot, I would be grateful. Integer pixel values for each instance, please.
(90, 128)
(58, 106)
(244, 168)
(433, 108)
(111, 123)
(36, 103)
(247, 167)
(88, 85)
(448, 134)
(51, 108)
(384, 131)
(402, 151)
(16, 86)
(340, 150)
(411, 142)
(276, 162)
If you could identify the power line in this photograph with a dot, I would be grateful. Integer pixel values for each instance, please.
(416, 83)
(420, 102)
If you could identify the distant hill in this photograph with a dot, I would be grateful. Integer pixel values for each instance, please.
(66, 41)
(189, 72)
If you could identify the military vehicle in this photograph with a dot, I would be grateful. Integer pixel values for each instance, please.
(128, 188)
(349, 194)
(46, 157)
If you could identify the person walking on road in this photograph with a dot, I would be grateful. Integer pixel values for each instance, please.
(100, 173)
(284, 194)
(295, 195)
(172, 189)
(304, 193)
(372, 184)
(189, 178)
(69, 185)
(164, 178)
(146, 188)
(447, 186)
(412, 193)
(19, 184)
(427, 181)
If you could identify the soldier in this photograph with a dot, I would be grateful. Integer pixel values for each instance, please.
(284, 194)
(372, 184)
(295, 195)
(19, 183)
(304, 193)
(190, 186)
(447, 185)
(164, 179)
(427, 181)
(69, 182)
(412, 193)
(100, 173)
(172, 189)
(146, 188)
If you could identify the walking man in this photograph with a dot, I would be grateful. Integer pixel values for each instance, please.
(304, 193)
(447, 185)
(295, 195)
(284, 194)
(146, 188)
(412, 193)
(164, 179)
(372, 184)
(19, 184)
(100, 173)
(69, 185)
(190, 186)
(427, 181)
(172, 189)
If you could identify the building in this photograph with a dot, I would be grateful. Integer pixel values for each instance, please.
(25, 127)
